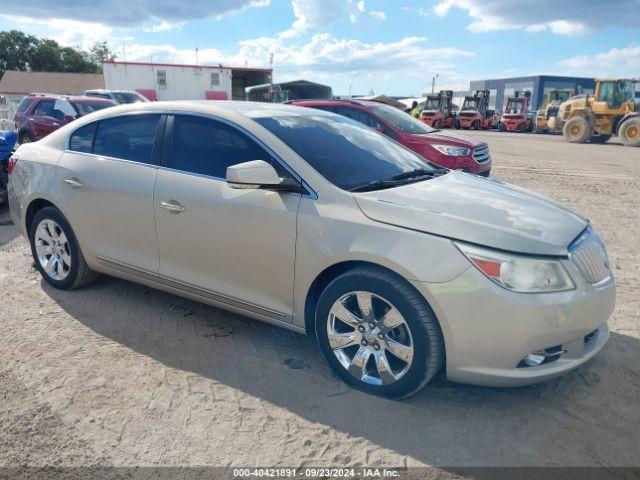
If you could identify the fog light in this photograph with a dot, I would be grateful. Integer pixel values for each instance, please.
(535, 358)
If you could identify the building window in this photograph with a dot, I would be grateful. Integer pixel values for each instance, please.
(161, 76)
(215, 79)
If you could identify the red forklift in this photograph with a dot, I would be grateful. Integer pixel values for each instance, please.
(475, 112)
(438, 112)
(516, 118)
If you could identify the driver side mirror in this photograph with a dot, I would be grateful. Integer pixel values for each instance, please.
(259, 174)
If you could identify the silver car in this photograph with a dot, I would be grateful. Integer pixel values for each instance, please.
(316, 223)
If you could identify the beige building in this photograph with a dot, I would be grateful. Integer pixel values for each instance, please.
(14, 86)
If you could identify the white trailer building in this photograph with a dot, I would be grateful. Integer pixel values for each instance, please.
(163, 81)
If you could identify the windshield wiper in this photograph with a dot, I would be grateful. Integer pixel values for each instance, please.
(399, 179)
(418, 172)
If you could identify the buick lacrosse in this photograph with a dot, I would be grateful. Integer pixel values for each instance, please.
(314, 222)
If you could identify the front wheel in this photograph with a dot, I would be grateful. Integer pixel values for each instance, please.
(577, 130)
(56, 252)
(378, 333)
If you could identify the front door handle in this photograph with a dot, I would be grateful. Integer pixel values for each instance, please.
(172, 206)
(74, 182)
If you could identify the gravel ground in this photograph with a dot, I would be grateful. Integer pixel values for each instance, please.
(120, 374)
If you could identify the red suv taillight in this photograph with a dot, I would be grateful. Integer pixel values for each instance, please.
(11, 165)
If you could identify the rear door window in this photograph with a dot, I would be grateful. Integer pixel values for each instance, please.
(129, 137)
(82, 139)
(208, 147)
(45, 108)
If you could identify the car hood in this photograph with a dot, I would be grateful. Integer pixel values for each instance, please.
(445, 139)
(477, 210)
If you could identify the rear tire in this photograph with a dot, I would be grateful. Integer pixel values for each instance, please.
(367, 345)
(56, 252)
(577, 130)
(501, 127)
(630, 132)
(24, 137)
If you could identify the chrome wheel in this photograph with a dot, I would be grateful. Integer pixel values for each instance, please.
(52, 249)
(370, 338)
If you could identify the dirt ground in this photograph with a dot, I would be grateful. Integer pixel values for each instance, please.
(120, 374)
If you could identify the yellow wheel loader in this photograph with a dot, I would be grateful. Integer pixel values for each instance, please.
(611, 110)
(546, 115)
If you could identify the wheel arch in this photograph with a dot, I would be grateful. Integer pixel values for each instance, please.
(34, 206)
(324, 278)
(624, 119)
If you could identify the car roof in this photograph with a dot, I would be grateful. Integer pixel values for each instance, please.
(71, 98)
(216, 107)
(105, 90)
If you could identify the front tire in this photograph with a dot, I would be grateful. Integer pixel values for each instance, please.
(378, 333)
(56, 252)
(577, 130)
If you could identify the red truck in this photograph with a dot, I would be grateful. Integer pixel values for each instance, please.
(475, 112)
(438, 112)
(516, 118)
(444, 149)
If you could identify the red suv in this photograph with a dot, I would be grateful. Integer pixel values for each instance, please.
(450, 151)
(39, 114)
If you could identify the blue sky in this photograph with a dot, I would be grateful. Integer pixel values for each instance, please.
(385, 46)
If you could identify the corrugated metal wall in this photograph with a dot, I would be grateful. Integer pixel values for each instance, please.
(182, 82)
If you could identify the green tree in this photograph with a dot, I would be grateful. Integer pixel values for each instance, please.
(19, 51)
(100, 52)
(16, 50)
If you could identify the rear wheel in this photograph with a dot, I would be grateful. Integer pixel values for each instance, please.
(24, 137)
(378, 333)
(577, 130)
(56, 252)
(630, 132)
(522, 128)
(437, 124)
(501, 127)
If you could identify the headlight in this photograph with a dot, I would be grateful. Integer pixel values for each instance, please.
(452, 151)
(517, 272)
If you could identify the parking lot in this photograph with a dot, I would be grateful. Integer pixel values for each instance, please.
(121, 374)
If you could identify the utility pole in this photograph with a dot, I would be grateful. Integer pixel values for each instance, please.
(196, 56)
(433, 83)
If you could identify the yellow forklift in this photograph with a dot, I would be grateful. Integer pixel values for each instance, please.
(611, 110)
(546, 115)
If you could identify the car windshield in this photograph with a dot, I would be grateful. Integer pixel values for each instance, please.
(127, 97)
(85, 108)
(400, 120)
(345, 152)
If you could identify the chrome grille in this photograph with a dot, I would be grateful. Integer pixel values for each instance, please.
(481, 154)
(588, 254)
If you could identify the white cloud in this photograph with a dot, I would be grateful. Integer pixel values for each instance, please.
(323, 54)
(617, 62)
(67, 32)
(378, 15)
(566, 17)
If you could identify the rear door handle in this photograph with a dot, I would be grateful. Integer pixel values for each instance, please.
(173, 206)
(74, 182)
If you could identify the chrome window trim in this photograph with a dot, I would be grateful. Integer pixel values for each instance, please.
(311, 193)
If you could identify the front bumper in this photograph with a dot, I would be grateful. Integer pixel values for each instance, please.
(488, 330)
